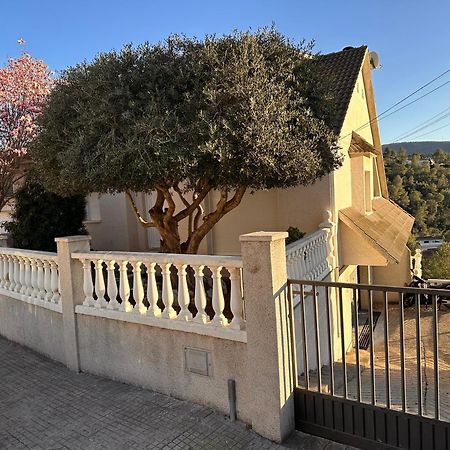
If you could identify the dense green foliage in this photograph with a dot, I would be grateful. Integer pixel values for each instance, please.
(184, 117)
(438, 264)
(40, 216)
(422, 187)
(294, 234)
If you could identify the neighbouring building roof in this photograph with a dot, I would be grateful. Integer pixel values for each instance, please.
(387, 228)
(359, 146)
(341, 69)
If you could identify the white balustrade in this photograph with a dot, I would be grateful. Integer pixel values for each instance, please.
(100, 289)
(307, 258)
(88, 286)
(112, 286)
(124, 288)
(152, 291)
(30, 275)
(167, 287)
(138, 289)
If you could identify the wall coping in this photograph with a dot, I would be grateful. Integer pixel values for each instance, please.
(56, 307)
(83, 237)
(168, 324)
(265, 236)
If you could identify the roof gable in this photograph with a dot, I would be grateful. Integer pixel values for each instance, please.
(341, 69)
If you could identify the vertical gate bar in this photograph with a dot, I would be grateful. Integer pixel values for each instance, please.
(344, 361)
(317, 337)
(386, 351)
(330, 341)
(402, 353)
(418, 356)
(372, 368)
(358, 371)
(436, 359)
(305, 342)
(292, 334)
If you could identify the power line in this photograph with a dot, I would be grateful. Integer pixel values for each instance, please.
(379, 116)
(432, 131)
(417, 99)
(423, 125)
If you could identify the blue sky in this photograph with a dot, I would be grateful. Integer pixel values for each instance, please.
(411, 37)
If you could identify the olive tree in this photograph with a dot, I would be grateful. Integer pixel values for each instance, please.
(231, 114)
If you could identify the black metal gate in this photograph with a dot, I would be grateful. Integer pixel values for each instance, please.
(385, 396)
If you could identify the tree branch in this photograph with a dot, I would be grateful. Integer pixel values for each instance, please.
(168, 214)
(141, 220)
(177, 189)
(196, 203)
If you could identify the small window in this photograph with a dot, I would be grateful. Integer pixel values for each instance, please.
(368, 191)
(93, 208)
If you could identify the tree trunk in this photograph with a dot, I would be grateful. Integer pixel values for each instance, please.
(167, 222)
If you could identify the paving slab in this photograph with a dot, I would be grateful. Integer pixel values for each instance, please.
(44, 406)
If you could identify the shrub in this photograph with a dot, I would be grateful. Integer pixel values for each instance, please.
(41, 216)
(294, 234)
(438, 264)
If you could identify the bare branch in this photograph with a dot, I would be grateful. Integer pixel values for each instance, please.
(196, 203)
(177, 189)
(198, 215)
(141, 220)
(168, 214)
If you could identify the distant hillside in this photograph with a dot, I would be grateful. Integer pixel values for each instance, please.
(420, 147)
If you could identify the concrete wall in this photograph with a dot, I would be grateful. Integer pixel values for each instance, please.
(394, 275)
(154, 358)
(33, 326)
(252, 353)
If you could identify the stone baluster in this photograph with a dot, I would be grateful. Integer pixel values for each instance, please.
(328, 226)
(183, 294)
(99, 285)
(112, 286)
(315, 257)
(138, 289)
(47, 282)
(54, 282)
(11, 272)
(236, 303)
(200, 296)
(5, 271)
(34, 284)
(17, 265)
(88, 287)
(124, 288)
(27, 277)
(300, 263)
(2, 273)
(152, 291)
(292, 265)
(167, 293)
(22, 266)
(218, 301)
(40, 280)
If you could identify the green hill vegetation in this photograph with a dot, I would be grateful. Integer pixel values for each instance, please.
(422, 147)
(421, 185)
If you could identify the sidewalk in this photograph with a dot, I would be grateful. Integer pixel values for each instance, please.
(43, 405)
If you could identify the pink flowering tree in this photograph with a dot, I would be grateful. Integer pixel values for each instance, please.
(25, 83)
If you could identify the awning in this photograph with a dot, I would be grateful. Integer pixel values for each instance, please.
(386, 229)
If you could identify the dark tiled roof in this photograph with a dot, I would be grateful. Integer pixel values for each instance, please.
(341, 70)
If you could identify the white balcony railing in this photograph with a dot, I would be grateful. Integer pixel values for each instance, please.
(307, 258)
(203, 290)
(31, 276)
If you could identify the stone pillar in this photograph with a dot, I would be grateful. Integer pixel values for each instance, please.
(268, 348)
(71, 289)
